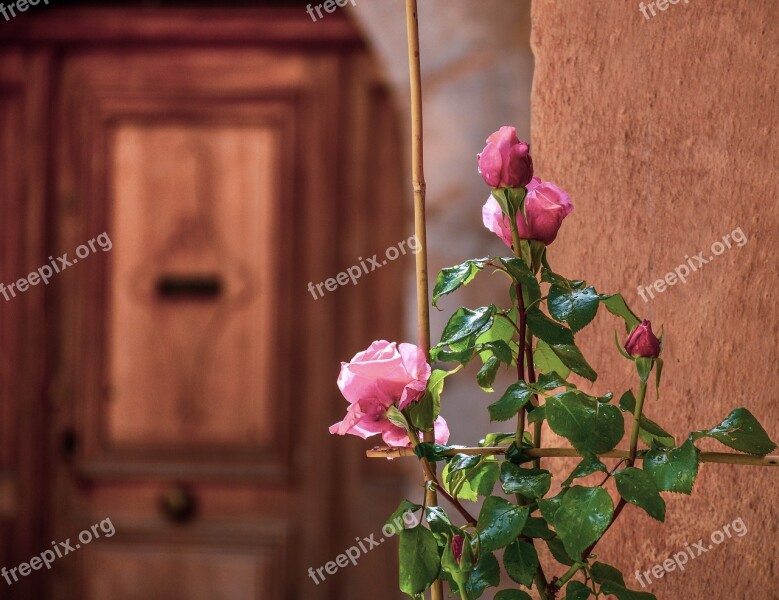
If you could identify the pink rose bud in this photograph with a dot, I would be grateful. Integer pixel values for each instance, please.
(642, 342)
(457, 547)
(505, 160)
(546, 205)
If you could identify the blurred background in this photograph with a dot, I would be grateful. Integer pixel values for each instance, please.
(180, 380)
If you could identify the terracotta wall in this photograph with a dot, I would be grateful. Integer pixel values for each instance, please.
(663, 129)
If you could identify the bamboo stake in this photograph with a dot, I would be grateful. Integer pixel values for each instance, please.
(420, 228)
(727, 458)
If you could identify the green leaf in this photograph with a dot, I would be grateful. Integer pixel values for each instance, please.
(397, 418)
(673, 470)
(431, 451)
(513, 595)
(495, 439)
(589, 425)
(638, 488)
(576, 590)
(573, 358)
(419, 560)
(500, 522)
(425, 411)
(551, 381)
(603, 573)
(486, 574)
(590, 464)
(583, 516)
(395, 520)
(644, 367)
(575, 307)
(623, 593)
(452, 278)
(529, 483)
(498, 349)
(522, 274)
(467, 477)
(465, 323)
(650, 432)
(536, 414)
(486, 375)
(740, 431)
(521, 562)
(514, 398)
(536, 527)
(616, 305)
(548, 330)
(440, 525)
(546, 360)
(549, 506)
(557, 549)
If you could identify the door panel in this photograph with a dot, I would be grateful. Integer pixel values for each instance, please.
(189, 375)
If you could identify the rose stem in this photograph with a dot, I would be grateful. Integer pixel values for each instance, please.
(630, 460)
(418, 175)
(539, 577)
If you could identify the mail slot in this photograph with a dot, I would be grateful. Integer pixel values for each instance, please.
(185, 287)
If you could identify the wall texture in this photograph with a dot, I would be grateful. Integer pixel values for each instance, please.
(663, 130)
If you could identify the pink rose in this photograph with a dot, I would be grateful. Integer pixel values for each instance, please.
(546, 205)
(397, 436)
(642, 342)
(505, 160)
(384, 375)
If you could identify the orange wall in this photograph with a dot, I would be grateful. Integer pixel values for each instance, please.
(663, 130)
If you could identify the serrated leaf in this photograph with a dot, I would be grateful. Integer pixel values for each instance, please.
(440, 524)
(431, 451)
(529, 483)
(425, 411)
(395, 520)
(624, 593)
(557, 549)
(740, 431)
(584, 515)
(547, 361)
(616, 305)
(548, 330)
(500, 523)
(590, 464)
(575, 307)
(521, 562)
(517, 395)
(419, 560)
(549, 506)
(638, 488)
(551, 381)
(512, 595)
(452, 278)
(573, 358)
(673, 470)
(485, 575)
(466, 322)
(522, 274)
(604, 573)
(576, 590)
(536, 414)
(537, 527)
(589, 425)
(486, 375)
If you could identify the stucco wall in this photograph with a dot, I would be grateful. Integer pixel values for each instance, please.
(663, 130)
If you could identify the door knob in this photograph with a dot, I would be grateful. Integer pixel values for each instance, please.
(178, 504)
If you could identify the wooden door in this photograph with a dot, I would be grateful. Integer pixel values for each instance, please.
(198, 182)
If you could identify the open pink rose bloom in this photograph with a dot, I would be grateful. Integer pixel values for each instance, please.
(384, 375)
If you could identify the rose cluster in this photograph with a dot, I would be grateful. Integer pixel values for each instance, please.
(505, 162)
